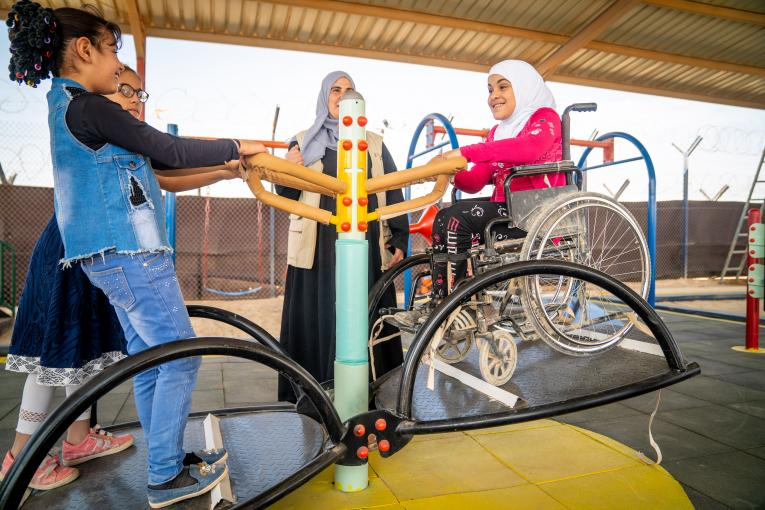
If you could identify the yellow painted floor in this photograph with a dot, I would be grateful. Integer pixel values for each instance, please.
(535, 465)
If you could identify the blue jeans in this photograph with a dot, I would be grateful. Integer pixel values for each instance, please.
(144, 291)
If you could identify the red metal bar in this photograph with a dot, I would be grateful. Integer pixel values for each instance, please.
(752, 303)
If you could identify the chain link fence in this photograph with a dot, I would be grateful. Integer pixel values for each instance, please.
(230, 246)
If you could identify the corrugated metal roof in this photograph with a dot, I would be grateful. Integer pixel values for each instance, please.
(704, 50)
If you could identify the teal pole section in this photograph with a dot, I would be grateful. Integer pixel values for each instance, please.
(170, 202)
(351, 357)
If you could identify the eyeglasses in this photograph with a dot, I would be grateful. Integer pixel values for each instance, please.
(128, 91)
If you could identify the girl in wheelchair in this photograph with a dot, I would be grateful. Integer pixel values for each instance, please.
(529, 132)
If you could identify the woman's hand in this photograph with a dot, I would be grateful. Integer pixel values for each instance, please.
(397, 257)
(294, 156)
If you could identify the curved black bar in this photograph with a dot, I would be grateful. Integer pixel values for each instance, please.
(381, 285)
(32, 454)
(553, 409)
(241, 323)
(531, 268)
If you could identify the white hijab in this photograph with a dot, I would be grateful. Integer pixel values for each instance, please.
(531, 94)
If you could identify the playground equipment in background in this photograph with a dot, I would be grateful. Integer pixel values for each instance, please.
(410, 400)
(605, 142)
(755, 280)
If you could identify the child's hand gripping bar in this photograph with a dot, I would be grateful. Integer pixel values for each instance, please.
(440, 169)
(279, 171)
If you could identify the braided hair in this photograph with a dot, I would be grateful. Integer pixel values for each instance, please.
(39, 38)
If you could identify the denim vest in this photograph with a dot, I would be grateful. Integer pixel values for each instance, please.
(106, 199)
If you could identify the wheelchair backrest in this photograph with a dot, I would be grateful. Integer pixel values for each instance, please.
(526, 204)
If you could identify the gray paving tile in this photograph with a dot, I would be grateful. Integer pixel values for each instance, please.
(757, 452)
(262, 391)
(701, 501)
(109, 407)
(741, 359)
(721, 424)
(6, 438)
(754, 379)
(7, 406)
(669, 400)
(207, 400)
(600, 413)
(719, 392)
(209, 380)
(675, 442)
(756, 408)
(735, 478)
(11, 418)
(710, 367)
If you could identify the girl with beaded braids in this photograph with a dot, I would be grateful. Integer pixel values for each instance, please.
(109, 214)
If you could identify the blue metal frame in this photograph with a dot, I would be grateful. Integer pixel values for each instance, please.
(428, 122)
(170, 202)
(651, 226)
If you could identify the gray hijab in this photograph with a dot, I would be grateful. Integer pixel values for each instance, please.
(324, 133)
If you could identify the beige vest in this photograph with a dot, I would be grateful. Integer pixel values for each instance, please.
(301, 242)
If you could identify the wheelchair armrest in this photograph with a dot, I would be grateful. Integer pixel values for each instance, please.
(567, 167)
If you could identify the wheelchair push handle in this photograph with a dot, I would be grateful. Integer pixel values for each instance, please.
(581, 107)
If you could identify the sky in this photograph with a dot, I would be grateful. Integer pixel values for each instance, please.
(222, 90)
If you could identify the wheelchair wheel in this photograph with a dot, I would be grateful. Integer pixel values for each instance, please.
(454, 349)
(498, 357)
(596, 231)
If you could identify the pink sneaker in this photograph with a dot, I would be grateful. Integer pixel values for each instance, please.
(48, 476)
(99, 443)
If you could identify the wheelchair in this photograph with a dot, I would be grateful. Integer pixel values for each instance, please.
(561, 223)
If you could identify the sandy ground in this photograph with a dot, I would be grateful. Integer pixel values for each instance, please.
(266, 313)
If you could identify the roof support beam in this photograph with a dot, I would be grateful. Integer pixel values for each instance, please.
(653, 91)
(585, 35)
(136, 27)
(717, 11)
(502, 30)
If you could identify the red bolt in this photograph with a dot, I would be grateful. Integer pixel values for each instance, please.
(363, 145)
(359, 430)
(752, 240)
(345, 226)
(362, 452)
(347, 201)
(381, 424)
(347, 120)
(347, 145)
(363, 226)
(362, 121)
(363, 201)
(752, 228)
(383, 445)
(751, 280)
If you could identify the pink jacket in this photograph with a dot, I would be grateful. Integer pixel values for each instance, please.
(538, 142)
